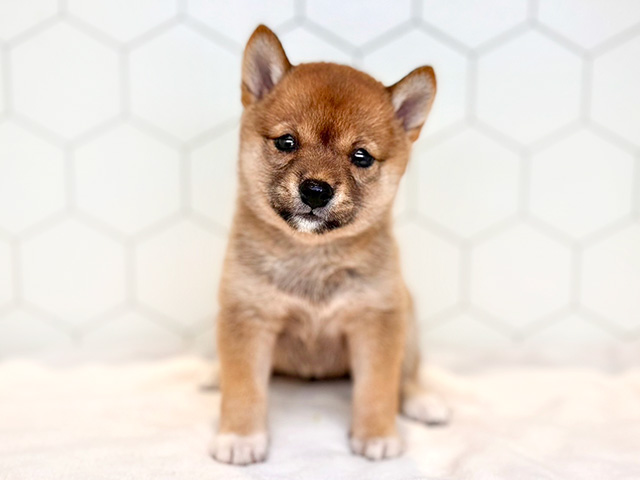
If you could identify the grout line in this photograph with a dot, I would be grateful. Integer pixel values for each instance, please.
(16, 271)
(464, 274)
(125, 83)
(559, 39)
(472, 88)
(587, 88)
(92, 32)
(442, 37)
(576, 276)
(7, 85)
(34, 31)
(131, 277)
(524, 185)
(635, 189)
(214, 37)
(617, 40)
(70, 179)
(505, 37)
(185, 181)
(329, 37)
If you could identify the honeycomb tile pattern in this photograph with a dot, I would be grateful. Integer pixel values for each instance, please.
(519, 218)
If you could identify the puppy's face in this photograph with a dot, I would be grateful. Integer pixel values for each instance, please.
(323, 146)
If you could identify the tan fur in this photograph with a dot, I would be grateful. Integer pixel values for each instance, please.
(330, 302)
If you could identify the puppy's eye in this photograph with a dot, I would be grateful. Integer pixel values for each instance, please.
(361, 158)
(286, 143)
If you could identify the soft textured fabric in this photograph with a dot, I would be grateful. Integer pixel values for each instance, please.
(153, 421)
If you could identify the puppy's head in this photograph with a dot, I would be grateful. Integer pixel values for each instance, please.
(323, 146)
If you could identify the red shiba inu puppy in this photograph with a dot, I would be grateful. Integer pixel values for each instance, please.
(312, 285)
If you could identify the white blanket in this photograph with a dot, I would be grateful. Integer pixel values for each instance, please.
(152, 421)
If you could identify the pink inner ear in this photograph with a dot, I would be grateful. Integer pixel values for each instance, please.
(264, 81)
(410, 112)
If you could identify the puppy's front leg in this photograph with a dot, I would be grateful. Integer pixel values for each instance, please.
(376, 349)
(245, 348)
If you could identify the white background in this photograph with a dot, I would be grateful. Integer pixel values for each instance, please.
(518, 220)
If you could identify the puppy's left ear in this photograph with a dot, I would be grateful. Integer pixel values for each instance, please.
(263, 65)
(412, 98)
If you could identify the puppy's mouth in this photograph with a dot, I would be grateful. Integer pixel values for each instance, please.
(308, 222)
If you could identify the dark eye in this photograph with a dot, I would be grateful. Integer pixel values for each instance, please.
(286, 143)
(362, 158)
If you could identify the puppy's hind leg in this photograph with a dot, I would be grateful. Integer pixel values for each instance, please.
(417, 401)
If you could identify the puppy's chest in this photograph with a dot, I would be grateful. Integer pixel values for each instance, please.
(317, 278)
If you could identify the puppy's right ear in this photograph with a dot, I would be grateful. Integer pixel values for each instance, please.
(263, 66)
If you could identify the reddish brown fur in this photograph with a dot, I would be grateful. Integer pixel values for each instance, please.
(323, 303)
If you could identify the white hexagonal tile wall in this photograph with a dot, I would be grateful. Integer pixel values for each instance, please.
(181, 82)
(23, 334)
(82, 87)
(431, 268)
(213, 178)
(570, 337)
(73, 272)
(357, 21)
(588, 22)
(468, 182)
(462, 333)
(611, 278)
(123, 19)
(528, 87)
(520, 275)
(17, 17)
(129, 336)
(178, 272)
(397, 58)
(204, 343)
(302, 46)
(403, 202)
(32, 178)
(236, 20)
(616, 99)
(2, 88)
(6, 280)
(581, 183)
(127, 179)
(459, 18)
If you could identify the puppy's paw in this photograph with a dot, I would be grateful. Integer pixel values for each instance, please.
(426, 407)
(239, 449)
(377, 448)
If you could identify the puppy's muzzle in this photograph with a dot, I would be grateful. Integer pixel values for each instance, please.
(315, 193)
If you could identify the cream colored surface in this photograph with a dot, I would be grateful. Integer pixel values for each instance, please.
(152, 421)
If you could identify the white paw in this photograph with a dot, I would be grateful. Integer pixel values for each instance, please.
(428, 408)
(239, 449)
(377, 448)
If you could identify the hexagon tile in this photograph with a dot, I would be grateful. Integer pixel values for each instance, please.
(127, 179)
(32, 178)
(517, 219)
(468, 183)
(177, 273)
(519, 276)
(183, 83)
(73, 272)
(82, 87)
(581, 184)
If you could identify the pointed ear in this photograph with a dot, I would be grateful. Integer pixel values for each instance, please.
(263, 66)
(412, 98)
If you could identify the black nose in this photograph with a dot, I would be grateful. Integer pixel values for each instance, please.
(315, 193)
